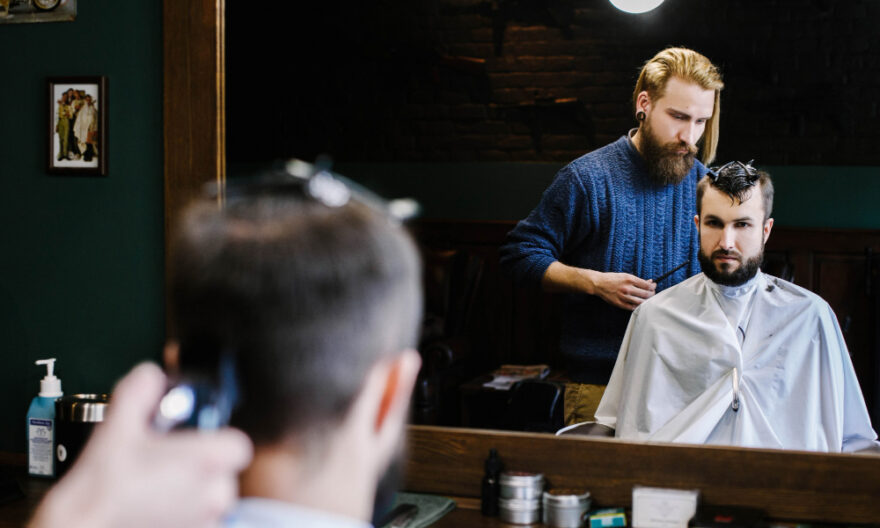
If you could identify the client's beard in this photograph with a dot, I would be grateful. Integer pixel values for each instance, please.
(737, 277)
(665, 166)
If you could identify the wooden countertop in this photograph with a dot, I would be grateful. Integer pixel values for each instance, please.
(787, 485)
(811, 487)
(15, 513)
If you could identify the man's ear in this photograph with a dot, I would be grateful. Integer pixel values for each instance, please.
(643, 102)
(399, 379)
(697, 221)
(171, 357)
(768, 225)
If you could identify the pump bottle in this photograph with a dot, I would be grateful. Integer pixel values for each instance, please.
(490, 489)
(41, 424)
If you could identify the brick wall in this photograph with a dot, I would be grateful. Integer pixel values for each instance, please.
(543, 80)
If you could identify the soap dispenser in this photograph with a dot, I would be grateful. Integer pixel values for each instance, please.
(41, 424)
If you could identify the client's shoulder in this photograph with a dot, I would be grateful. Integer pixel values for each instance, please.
(675, 298)
(787, 293)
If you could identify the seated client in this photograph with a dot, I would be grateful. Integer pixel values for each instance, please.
(317, 297)
(734, 356)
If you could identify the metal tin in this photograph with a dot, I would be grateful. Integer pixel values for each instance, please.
(75, 417)
(81, 408)
(521, 485)
(565, 508)
(519, 511)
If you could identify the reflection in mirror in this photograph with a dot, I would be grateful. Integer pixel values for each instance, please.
(734, 356)
(473, 110)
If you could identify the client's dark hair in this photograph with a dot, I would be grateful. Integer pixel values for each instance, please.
(736, 179)
(306, 297)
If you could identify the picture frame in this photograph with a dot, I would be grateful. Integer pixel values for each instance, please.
(36, 11)
(77, 126)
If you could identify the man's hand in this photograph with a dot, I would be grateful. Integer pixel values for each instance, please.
(131, 475)
(622, 289)
(617, 289)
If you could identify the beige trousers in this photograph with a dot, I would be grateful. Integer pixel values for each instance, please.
(581, 402)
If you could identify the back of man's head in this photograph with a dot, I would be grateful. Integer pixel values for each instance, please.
(737, 180)
(307, 297)
(689, 66)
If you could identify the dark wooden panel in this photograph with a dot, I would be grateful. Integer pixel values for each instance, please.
(513, 324)
(841, 281)
(787, 485)
(194, 114)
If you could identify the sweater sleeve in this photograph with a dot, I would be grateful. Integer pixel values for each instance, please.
(557, 224)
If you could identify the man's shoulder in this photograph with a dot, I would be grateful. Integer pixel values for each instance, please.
(257, 511)
(599, 161)
(698, 171)
(781, 291)
(787, 293)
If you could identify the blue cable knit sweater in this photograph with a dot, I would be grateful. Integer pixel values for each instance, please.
(603, 212)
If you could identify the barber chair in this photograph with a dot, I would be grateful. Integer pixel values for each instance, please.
(534, 406)
(586, 429)
(451, 279)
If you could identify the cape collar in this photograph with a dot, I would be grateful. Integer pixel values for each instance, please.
(737, 291)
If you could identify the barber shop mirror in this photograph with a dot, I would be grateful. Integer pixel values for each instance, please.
(474, 113)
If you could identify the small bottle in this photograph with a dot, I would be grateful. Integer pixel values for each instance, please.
(491, 486)
(41, 424)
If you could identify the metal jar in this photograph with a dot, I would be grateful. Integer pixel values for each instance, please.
(565, 508)
(519, 511)
(521, 485)
(75, 417)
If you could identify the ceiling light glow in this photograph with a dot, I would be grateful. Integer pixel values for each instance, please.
(636, 6)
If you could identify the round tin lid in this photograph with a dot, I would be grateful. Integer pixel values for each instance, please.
(521, 479)
(81, 407)
(566, 497)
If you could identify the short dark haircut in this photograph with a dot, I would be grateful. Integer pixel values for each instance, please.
(305, 296)
(736, 180)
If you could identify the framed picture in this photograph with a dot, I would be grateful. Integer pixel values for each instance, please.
(78, 108)
(18, 11)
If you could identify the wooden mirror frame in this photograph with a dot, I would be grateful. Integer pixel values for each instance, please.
(795, 485)
(194, 107)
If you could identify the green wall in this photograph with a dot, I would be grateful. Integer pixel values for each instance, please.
(81, 273)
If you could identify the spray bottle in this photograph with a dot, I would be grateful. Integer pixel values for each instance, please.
(41, 424)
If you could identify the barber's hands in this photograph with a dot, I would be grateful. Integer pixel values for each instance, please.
(622, 289)
(130, 475)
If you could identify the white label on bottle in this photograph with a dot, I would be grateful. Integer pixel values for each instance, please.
(40, 453)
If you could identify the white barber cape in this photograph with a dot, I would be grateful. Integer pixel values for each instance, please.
(759, 365)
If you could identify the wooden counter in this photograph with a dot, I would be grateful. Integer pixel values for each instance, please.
(15, 514)
(787, 485)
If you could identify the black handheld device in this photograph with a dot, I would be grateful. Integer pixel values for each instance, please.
(200, 400)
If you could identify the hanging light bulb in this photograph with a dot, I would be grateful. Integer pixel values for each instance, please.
(636, 6)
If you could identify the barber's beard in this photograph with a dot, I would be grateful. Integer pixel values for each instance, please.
(741, 275)
(665, 165)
